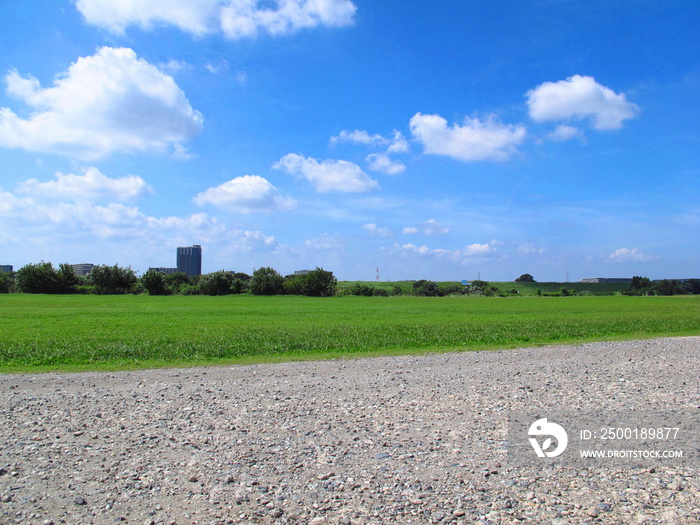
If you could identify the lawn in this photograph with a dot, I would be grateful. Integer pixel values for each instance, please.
(43, 332)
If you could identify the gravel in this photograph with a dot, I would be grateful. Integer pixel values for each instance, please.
(408, 439)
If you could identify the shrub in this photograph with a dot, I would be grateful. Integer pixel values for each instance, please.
(154, 283)
(425, 288)
(266, 281)
(216, 283)
(112, 280)
(44, 278)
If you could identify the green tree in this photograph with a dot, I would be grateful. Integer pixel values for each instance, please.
(112, 280)
(216, 283)
(320, 283)
(154, 283)
(6, 281)
(176, 282)
(266, 281)
(525, 278)
(425, 288)
(39, 278)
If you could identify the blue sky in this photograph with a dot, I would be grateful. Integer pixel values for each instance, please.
(443, 140)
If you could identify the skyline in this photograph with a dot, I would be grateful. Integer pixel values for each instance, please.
(435, 142)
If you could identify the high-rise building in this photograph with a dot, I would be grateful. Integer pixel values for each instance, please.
(189, 260)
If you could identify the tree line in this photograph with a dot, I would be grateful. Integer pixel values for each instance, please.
(44, 278)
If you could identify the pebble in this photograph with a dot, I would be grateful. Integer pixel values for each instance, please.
(389, 440)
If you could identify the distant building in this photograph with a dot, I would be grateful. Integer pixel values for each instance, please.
(5, 267)
(83, 269)
(607, 280)
(189, 260)
(161, 269)
(301, 272)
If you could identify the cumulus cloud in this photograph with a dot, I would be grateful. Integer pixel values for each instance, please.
(376, 231)
(429, 227)
(475, 140)
(463, 256)
(328, 175)
(325, 242)
(247, 194)
(565, 132)
(90, 186)
(112, 101)
(382, 163)
(397, 143)
(623, 255)
(579, 98)
(234, 18)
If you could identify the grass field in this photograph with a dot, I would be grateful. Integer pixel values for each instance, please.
(44, 332)
(506, 287)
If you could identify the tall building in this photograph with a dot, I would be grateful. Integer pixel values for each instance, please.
(189, 260)
(5, 267)
(83, 269)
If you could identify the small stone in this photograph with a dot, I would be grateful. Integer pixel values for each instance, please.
(458, 513)
(676, 484)
(6, 498)
(79, 500)
(276, 513)
(593, 513)
(193, 478)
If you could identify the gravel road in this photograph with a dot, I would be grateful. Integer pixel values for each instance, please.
(409, 439)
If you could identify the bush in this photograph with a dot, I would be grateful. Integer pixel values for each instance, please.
(154, 283)
(362, 289)
(216, 283)
(6, 281)
(112, 280)
(44, 278)
(266, 281)
(425, 288)
(316, 283)
(177, 282)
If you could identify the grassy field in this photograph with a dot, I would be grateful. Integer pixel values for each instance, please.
(506, 287)
(43, 332)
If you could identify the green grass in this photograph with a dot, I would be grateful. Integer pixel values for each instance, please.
(41, 332)
(506, 286)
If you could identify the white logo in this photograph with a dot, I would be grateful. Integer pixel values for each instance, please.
(542, 427)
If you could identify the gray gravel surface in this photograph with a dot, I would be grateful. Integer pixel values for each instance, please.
(409, 439)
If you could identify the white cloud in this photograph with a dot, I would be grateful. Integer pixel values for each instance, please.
(473, 141)
(328, 175)
(234, 18)
(382, 163)
(464, 256)
(623, 255)
(325, 242)
(429, 227)
(528, 248)
(180, 153)
(90, 186)
(565, 132)
(376, 231)
(579, 98)
(109, 102)
(480, 249)
(247, 194)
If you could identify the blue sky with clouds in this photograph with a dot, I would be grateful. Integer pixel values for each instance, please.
(441, 140)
